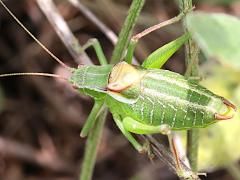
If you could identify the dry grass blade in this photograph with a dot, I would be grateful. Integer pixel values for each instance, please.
(63, 31)
(108, 32)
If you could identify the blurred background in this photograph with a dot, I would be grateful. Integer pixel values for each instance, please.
(41, 118)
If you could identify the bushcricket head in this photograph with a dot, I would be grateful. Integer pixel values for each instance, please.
(92, 80)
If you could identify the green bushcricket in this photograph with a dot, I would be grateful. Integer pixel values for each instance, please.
(144, 99)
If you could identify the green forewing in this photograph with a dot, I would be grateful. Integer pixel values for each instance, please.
(161, 55)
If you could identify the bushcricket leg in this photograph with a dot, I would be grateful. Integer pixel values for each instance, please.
(128, 135)
(138, 36)
(98, 104)
(134, 126)
(91, 118)
(98, 49)
(166, 130)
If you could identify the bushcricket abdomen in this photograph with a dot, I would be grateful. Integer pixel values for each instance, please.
(166, 97)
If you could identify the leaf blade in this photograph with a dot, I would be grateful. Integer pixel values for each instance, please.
(217, 35)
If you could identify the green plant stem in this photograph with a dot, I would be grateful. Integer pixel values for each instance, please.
(192, 148)
(91, 118)
(93, 141)
(126, 31)
(191, 60)
(96, 133)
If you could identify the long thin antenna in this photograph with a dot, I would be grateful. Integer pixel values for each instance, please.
(35, 39)
(33, 74)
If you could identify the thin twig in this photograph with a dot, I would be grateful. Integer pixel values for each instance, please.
(145, 18)
(158, 26)
(108, 32)
(63, 31)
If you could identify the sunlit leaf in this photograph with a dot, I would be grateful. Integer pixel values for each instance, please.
(218, 36)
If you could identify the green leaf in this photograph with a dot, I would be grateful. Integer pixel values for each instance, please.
(161, 55)
(218, 36)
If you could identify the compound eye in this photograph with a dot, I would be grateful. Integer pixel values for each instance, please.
(123, 75)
